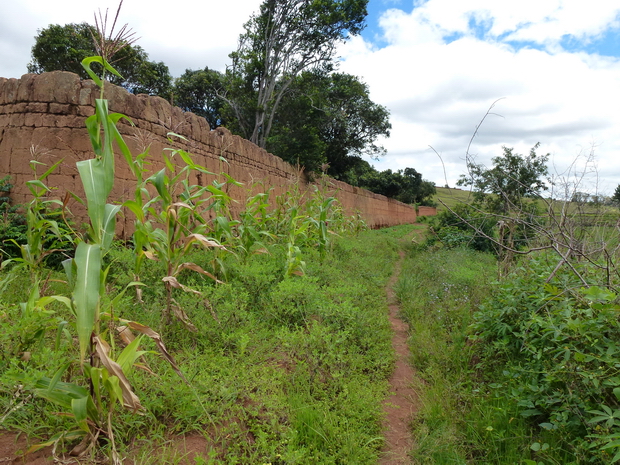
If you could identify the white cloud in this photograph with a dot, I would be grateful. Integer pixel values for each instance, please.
(437, 91)
(541, 21)
(183, 34)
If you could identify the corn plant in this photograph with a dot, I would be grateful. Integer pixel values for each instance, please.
(39, 224)
(138, 207)
(319, 211)
(169, 223)
(224, 226)
(289, 225)
(104, 372)
(253, 226)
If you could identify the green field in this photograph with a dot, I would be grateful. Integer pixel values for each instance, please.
(451, 197)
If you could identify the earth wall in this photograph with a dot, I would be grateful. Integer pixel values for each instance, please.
(42, 118)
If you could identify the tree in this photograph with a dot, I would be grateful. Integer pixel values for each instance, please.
(64, 47)
(512, 178)
(500, 197)
(616, 196)
(284, 39)
(328, 119)
(200, 92)
(405, 185)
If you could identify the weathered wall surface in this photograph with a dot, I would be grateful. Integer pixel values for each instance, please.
(42, 118)
(427, 211)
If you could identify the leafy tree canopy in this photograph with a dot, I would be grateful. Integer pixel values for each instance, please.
(616, 196)
(512, 178)
(323, 119)
(200, 92)
(62, 48)
(284, 39)
(328, 119)
(405, 185)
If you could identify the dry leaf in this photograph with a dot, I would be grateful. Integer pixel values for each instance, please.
(176, 284)
(158, 342)
(204, 241)
(198, 269)
(130, 400)
(125, 334)
(181, 315)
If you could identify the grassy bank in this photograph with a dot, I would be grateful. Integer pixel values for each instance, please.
(280, 369)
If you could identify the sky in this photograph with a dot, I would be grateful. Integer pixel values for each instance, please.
(533, 71)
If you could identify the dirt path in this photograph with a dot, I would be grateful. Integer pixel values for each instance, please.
(401, 405)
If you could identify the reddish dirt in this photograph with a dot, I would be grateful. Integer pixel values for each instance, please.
(13, 445)
(402, 404)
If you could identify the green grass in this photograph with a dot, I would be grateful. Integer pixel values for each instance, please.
(517, 373)
(282, 370)
(451, 197)
(438, 291)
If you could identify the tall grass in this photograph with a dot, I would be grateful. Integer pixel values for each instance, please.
(438, 291)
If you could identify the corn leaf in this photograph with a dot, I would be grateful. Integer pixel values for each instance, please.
(94, 132)
(86, 292)
(96, 374)
(43, 301)
(135, 208)
(159, 181)
(69, 265)
(70, 435)
(181, 315)
(177, 285)
(130, 400)
(112, 385)
(107, 152)
(115, 118)
(50, 170)
(203, 240)
(86, 62)
(92, 174)
(79, 409)
(109, 225)
(158, 343)
(196, 268)
(62, 394)
(129, 355)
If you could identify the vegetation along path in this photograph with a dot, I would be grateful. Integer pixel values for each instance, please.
(401, 405)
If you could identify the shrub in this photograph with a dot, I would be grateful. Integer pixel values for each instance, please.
(464, 225)
(552, 350)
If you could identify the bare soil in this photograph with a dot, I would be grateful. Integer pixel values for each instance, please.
(401, 406)
(13, 447)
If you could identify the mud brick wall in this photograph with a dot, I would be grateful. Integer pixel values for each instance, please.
(427, 211)
(42, 118)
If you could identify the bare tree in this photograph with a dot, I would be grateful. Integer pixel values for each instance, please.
(584, 231)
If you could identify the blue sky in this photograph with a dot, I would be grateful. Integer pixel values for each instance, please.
(553, 66)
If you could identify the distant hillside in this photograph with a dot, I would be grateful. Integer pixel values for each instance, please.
(597, 213)
(451, 197)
